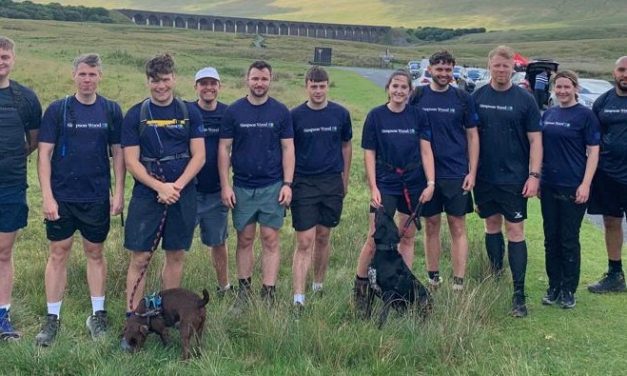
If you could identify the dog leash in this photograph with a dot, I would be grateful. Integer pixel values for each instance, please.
(155, 243)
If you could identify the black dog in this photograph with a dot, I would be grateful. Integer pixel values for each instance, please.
(157, 312)
(390, 279)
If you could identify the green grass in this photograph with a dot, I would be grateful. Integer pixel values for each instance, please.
(470, 334)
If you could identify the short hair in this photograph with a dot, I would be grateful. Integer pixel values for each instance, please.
(505, 52)
(442, 57)
(260, 65)
(7, 43)
(316, 74)
(617, 61)
(568, 74)
(159, 65)
(396, 73)
(93, 60)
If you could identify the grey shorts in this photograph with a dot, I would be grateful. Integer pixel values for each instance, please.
(259, 205)
(212, 218)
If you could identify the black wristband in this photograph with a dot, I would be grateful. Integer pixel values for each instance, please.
(534, 175)
(288, 183)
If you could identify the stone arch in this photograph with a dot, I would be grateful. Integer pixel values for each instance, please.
(261, 28)
(153, 20)
(203, 24)
(251, 28)
(302, 30)
(283, 29)
(139, 19)
(272, 29)
(179, 22)
(229, 26)
(319, 31)
(166, 21)
(192, 23)
(218, 25)
(330, 32)
(311, 31)
(293, 29)
(240, 27)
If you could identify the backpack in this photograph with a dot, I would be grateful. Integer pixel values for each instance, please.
(67, 114)
(145, 110)
(21, 103)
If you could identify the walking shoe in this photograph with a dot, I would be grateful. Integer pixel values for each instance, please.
(519, 308)
(268, 295)
(6, 329)
(298, 309)
(434, 283)
(611, 282)
(551, 297)
(242, 301)
(48, 331)
(567, 300)
(361, 298)
(97, 324)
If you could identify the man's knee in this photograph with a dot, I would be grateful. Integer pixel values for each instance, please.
(432, 226)
(515, 231)
(139, 260)
(494, 224)
(457, 226)
(613, 224)
(323, 236)
(269, 239)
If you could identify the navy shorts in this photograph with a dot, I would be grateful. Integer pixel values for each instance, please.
(317, 200)
(607, 196)
(13, 216)
(91, 219)
(393, 203)
(144, 218)
(449, 197)
(212, 218)
(504, 199)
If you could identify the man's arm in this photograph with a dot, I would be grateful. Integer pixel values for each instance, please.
(197, 149)
(288, 160)
(166, 192)
(224, 164)
(347, 155)
(535, 164)
(119, 172)
(44, 172)
(428, 165)
(31, 140)
(472, 135)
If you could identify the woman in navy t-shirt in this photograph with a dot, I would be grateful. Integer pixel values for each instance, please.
(400, 170)
(570, 136)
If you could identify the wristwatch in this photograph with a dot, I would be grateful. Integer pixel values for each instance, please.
(534, 174)
(288, 183)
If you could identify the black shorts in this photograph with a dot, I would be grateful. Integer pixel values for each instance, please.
(505, 199)
(607, 196)
(91, 219)
(394, 203)
(317, 200)
(449, 197)
(144, 218)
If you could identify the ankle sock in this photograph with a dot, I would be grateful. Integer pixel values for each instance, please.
(245, 282)
(358, 278)
(97, 304)
(6, 307)
(615, 266)
(458, 280)
(517, 255)
(316, 287)
(435, 275)
(299, 299)
(55, 308)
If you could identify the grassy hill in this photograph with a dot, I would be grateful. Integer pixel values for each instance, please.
(467, 334)
(491, 14)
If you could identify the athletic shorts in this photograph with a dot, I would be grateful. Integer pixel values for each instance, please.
(394, 203)
(144, 219)
(449, 197)
(258, 205)
(607, 196)
(211, 218)
(317, 200)
(91, 219)
(13, 216)
(504, 199)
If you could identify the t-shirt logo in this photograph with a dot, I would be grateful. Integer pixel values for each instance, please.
(171, 123)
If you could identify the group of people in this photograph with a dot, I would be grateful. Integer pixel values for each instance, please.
(425, 151)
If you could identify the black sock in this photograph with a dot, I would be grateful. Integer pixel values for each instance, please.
(245, 282)
(614, 266)
(458, 281)
(358, 278)
(495, 246)
(434, 275)
(517, 255)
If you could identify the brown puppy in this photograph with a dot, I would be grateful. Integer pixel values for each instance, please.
(178, 306)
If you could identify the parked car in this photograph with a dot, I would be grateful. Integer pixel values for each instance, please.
(483, 80)
(423, 78)
(413, 67)
(475, 73)
(589, 90)
(461, 78)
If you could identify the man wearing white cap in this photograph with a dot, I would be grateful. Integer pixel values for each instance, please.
(212, 214)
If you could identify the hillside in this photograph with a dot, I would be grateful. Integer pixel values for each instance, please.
(491, 14)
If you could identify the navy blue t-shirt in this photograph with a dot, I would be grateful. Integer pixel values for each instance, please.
(505, 118)
(256, 131)
(395, 138)
(611, 110)
(318, 138)
(12, 130)
(162, 140)
(565, 134)
(450, 113)
(208, 179)
(80, 160)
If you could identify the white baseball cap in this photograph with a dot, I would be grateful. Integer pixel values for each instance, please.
(207, 72)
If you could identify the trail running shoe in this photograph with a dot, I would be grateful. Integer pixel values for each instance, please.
(97, 324)
(48, 331)
(611, 282)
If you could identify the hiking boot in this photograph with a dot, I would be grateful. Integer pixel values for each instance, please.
(268, 295)
(97, 324)
(242, 301)
(519, 308)
(567, 300)
(222, 292)
(361, 298)
(48, 331)
(7, 332)
(434, 283)
(551, 297)
(298, 309)
(611, 282)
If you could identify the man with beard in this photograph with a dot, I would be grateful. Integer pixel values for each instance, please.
(455, 144)
(510, 156)
(259, 130)
(609, 187)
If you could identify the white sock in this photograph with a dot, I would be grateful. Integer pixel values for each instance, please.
(227, 287)
(299, 299)
(316, 286)
(97, 304)
(6, 306)
(55, 308)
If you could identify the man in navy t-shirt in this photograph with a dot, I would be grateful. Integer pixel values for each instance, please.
(212, 214)
(257, 133)
(322, 143)
(510, 157)
(455, 144)
(609, 187)
(20, 117)
(163, 149)
(76, 135)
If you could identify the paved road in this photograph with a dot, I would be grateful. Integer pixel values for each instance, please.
(380, 78)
